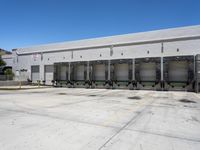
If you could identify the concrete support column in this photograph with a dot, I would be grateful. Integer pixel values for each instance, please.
(133, 69)
(108, 69)
(88, 71)
(28, 75)
(161, 69)
(42, 72)
(69, 71)
(194, 67)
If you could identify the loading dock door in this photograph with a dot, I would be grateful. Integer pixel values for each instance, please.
(64, 73)
(49, 69)
(148, 71)
(79, 72)
(178, 71)
(99, 72)
(35, 73)
(121, 72)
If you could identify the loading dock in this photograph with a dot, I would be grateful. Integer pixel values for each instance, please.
(141, 73)
(99, 73)
(78, 74)
(147, 73)
(179, 73)
(61, 74)
(121, 73)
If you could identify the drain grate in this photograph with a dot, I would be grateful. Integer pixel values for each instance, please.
(186, 101)
(135, 97)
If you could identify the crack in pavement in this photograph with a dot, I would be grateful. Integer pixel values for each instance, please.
(59, 118)
(133, 119)
(108, 126)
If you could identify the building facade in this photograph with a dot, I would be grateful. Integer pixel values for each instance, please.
(160, 60)
(8, 59)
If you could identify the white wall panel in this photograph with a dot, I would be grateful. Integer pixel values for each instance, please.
(91, 54)
(190, 47)
(137, 51)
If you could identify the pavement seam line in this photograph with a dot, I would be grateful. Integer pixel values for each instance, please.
(130, 121)
(164, 135)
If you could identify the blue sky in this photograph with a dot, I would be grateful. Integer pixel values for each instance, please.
(31, 22)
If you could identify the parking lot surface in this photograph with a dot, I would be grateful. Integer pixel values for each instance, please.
(98, 119)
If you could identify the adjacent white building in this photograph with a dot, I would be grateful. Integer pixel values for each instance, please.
(8, 59)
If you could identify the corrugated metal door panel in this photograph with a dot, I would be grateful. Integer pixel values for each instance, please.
(121, 71)
(35, 77)
(49, 69)
(148, 71)
(63, 73)
(35, 73)
(79, 72)
(48, 78)
(178, 71)
(99, 72)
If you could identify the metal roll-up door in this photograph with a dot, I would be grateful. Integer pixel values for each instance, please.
(79, 72)
(64, 72)
(178, 71)
(35, 73)
(122, 72)
(99, 72)
(49, 71)
(147, 71)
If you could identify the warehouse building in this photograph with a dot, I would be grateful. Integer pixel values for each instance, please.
(157, 60)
